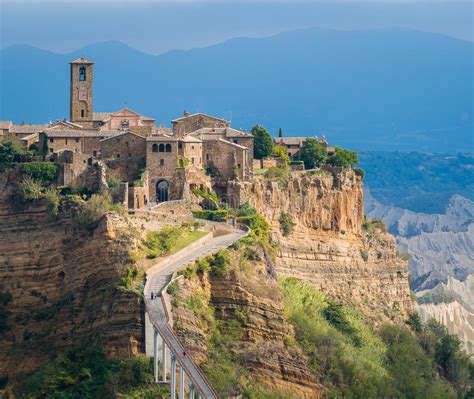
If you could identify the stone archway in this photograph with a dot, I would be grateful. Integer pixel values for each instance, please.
(162, 190)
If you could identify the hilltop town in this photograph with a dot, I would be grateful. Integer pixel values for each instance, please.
(153, 163)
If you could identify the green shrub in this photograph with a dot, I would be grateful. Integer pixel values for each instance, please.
(29, 189)
(43, 172)
(343, 158)
(371, 226)
(11, 151)
(359, 172)
(286, 224)
(220, 263)
(364, 255)
(211, 170)
(275, 173)
(53, 200)
(219, 215)
(92, 211)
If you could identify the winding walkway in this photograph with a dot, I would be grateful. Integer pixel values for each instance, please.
(158, 277)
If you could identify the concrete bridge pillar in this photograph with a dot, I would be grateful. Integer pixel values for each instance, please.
(163, 361)
(181, 383)
(155, 354)
(173, 376)
(191, 389)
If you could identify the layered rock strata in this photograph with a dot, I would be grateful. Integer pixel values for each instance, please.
(328, 246)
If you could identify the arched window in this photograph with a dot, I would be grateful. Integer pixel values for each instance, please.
(162, 148)
(154, 148)
(82, 73)
(168, 147)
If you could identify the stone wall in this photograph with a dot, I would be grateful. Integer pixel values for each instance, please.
(194, 122)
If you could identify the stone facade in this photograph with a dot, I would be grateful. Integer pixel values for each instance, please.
(81, 86)
(190, 123)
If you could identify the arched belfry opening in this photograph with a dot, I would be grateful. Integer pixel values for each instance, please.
(162, 191)
(82, 74)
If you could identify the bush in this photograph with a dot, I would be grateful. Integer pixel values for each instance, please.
(286, 224)
(11, 151)
(29, 189)
(281, 175)
(343, 158)
(91, 212)
(279, 151)
(219, 215)
(220, 263)
(359, 172)
(53, 200)
(364, 255)
(313, 153)
(43, 172)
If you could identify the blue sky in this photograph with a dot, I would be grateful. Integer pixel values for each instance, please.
(157, 26)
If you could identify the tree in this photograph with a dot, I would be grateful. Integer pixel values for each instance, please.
(263, 142)
(280, 152)
(280, 132)
(313, 153)
(343, 158)
(10, 151)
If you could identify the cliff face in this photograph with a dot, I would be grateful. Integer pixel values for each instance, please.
(257, 335)
(60, 286)
(328, 246)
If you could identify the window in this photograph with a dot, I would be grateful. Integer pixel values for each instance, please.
(51, 140)
(162, 162)
(192, 161)
(82, 113)
(207, 157)
(154, 148)
(82, 73)
(236, 141)
(94, 153)
(118, 155)
(180, 145)
(168, 147)
(162, 148)
(192, 147)
(77, 139)
(50, 150)
(65, 141)
(129, 154)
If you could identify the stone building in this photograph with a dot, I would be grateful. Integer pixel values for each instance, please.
(189, 123)
(124, 154)
(123, 119)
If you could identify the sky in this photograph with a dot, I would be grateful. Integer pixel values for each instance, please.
(157, 26)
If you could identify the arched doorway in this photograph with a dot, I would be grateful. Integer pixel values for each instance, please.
(162, 191)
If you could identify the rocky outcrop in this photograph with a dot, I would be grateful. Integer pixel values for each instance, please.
(260, 333)
(441, 249)
(59, 286)
(328, 246)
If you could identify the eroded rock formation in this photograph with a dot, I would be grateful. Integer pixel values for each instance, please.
(60, 286)
(328, 246)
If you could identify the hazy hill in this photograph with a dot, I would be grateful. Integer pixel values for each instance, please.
(376, 89)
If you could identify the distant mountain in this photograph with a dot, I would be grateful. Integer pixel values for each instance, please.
(374, 89)
(417, 181)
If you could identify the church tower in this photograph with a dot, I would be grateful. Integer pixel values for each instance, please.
(81, 95)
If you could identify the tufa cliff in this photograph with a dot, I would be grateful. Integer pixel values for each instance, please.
(60, 286)
(328, 245)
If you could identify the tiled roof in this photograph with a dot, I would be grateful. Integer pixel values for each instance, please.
(289, 140)
(81, 60)
(101, 116)
(120, 134)
(28, 128)
(232, 144)
(5, 124)
(82, 133)
(190, 139)
(196, 114)
(161, 137)
(230, 132)
(30, 136)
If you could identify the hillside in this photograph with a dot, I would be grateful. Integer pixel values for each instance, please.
(375, 89)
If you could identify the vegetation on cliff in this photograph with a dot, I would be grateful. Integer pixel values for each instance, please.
(85, 372)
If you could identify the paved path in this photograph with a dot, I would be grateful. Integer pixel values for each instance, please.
(157, 278)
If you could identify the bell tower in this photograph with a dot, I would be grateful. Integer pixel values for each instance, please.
(81, 95)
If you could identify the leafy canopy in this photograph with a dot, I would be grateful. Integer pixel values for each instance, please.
(263, 142)
(343, 158)
(313, 153)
